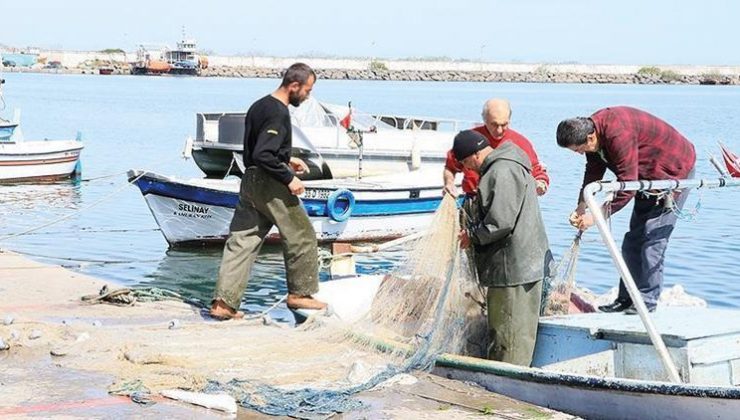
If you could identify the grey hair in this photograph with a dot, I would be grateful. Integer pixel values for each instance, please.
(487, 107)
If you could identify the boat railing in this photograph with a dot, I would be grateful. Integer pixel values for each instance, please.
(403, 122)
(669, 186)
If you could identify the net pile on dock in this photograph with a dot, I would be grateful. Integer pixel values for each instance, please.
(427, 306)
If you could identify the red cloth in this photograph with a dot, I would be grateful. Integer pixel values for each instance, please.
(471, 178)
(636, 145)
(346, 121)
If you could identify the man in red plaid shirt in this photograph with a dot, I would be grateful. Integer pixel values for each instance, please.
(496, 118)
(634, 145)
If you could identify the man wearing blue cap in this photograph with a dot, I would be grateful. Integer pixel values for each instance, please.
(512, 254)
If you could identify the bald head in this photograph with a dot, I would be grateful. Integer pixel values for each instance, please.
(496, 116)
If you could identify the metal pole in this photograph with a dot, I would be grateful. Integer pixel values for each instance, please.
(717, 166)
(362, 145)
(629, 282)
(589, 196)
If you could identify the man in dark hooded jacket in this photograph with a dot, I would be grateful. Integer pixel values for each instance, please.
(512, 254)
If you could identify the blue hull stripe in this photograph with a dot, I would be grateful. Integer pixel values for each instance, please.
(314, 208)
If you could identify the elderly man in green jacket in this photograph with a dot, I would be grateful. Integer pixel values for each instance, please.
(512, 255)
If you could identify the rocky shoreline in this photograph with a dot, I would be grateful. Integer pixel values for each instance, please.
(486, 76)
(653, 76)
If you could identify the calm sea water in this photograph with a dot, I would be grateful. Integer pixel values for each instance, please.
(142, 122)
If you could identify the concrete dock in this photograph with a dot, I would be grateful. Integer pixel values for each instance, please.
(69, 358)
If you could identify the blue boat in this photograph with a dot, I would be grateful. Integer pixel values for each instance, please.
(198, 211)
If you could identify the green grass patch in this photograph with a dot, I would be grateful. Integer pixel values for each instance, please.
(112, 51)
(649, 71)
(377, 65)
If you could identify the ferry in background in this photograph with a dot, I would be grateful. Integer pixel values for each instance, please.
(158, 59)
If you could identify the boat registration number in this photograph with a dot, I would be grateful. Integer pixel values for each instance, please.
(317, 194)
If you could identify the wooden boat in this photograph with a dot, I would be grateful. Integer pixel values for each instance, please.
(199, 211)
(39, 160)
(47, 160)
(675, 363)
(598, 365)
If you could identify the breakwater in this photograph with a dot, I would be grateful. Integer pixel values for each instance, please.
(642, 78)
(81, 62)
(489, 76)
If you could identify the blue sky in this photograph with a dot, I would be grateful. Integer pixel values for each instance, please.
(584, 31)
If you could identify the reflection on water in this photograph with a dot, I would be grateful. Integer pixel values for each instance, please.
(193, 273)
(115, 237)
(24, 206)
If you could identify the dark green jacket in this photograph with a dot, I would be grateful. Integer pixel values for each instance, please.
(508, 234)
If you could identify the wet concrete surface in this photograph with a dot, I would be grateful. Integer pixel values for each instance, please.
(93, 341)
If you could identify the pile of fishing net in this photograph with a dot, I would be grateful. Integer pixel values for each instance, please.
(427, 306)
(430, 304)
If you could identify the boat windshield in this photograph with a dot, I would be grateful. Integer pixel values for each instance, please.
(313, 113)
(302, 144)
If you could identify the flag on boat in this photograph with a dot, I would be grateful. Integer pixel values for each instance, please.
(732, 162)
(346, 122)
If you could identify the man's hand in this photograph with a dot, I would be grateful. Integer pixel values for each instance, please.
(541, 187)
(575, 217)
(296, 186)
(298, 166)
(581, 221)
(464, 239)
(587, 220)
(450, 189)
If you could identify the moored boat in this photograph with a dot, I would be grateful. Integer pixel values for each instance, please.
(38, 160)
(24, 161)
(389, 143)
(675, 363)
(597, 365)
(198, 211)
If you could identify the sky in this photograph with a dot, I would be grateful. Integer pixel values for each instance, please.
(640, 32)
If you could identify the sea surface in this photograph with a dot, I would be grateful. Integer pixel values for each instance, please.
(142, 122)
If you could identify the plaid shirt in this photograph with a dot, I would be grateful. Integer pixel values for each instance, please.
(635, 146)
(471, 178)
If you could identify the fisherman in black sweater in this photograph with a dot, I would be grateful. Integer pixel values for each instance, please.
(267, 197)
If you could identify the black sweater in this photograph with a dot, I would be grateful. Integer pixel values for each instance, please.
(268, 138)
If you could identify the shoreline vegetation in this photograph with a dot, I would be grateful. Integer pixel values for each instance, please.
(116, 62)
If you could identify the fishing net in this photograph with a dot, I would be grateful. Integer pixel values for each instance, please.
(557, 289)
(427, 306)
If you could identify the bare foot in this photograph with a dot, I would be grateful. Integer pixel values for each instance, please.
(304, 302)
(223, 312)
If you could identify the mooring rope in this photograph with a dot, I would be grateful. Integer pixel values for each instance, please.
(96, 261)
(128, 296)
(74, 213)
(91, 230)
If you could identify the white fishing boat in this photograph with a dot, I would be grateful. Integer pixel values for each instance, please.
(676, 363)
(388, 143)
(38, 160)
(45, 160)
(199, 211)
